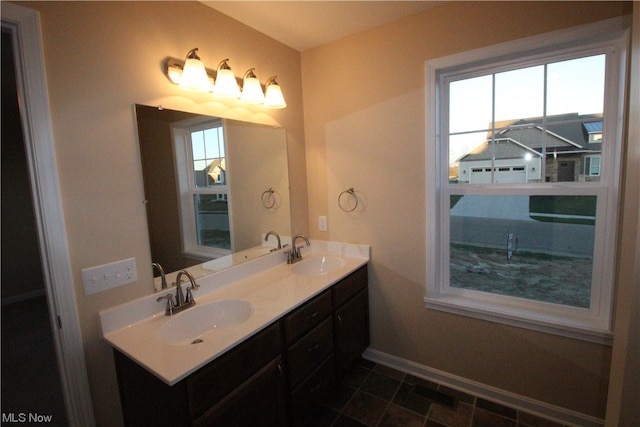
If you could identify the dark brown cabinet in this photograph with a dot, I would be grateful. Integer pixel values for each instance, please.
(274, 378)
(260, 401)
(309, 336)
(351, 318)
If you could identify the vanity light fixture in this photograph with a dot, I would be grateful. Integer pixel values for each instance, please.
(225, 85)
(251, 88)
(194, 76)
(273, 97)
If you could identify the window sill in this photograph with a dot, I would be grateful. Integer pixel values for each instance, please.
(527, 319)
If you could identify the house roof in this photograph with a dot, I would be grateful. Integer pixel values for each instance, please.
(564, 133)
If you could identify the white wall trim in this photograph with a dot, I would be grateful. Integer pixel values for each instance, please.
(542, 409)
(24, 25)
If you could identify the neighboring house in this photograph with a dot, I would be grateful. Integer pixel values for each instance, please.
(569, 150)
(217, 172)
(214, 174)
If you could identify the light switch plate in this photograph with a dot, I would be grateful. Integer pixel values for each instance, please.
(102, 277)
(322, 223)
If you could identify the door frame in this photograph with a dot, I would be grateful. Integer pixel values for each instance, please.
(24, 26)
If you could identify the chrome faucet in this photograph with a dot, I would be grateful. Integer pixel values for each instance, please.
(270, 233)
(162, 276)
(181, 302)
(294, 254)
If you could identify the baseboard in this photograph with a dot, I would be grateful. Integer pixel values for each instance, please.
(542, 409)
(23, 297)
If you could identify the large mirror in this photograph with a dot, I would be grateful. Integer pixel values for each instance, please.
(213, 188)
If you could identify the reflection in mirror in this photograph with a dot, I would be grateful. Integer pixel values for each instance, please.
(213, 188)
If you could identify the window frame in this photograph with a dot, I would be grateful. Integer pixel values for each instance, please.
(594, 324)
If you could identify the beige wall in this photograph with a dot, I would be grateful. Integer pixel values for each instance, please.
(364, 101)
(101, 58)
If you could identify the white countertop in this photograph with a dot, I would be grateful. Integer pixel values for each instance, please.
(267, 283)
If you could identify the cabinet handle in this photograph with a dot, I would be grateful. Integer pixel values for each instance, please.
(314, 347)
(312, 315)
(315, 388)
(339, 319)
(280, 369)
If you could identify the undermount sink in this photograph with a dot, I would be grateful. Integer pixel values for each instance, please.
(318, 266)
(187, 327)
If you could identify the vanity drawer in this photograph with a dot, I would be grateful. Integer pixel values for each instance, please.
(350, 285)
(307, 317)
(215, 381)
(304, 356)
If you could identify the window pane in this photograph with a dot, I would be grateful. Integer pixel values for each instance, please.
(466, 150)
(519, 94)
(533, 247)
(197, 145)
(470, 104)
(212, 220)
(576, 86)
(213, 144)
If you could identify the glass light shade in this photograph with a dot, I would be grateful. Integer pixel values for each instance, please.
(273, 97)
(194, 76)
(251, 89)
(226, 85)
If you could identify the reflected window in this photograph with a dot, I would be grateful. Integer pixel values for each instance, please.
(209, 187)
(204, 192)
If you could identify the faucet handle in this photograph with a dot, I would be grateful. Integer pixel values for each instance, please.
(189, 298)
(170, 304)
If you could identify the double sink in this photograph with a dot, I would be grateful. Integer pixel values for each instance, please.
(191, 326)
(231, 306)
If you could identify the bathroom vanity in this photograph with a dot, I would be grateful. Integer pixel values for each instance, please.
(308, 321)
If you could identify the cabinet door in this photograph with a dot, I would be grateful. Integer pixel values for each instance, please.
(260, 401)
(312, 393)
(351, 329)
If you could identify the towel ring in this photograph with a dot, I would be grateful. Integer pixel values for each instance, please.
(268, 198)
(350, 192)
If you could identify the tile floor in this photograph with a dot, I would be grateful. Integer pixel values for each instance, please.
(375, 395)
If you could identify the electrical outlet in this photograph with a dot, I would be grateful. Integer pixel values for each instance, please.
(102, 277)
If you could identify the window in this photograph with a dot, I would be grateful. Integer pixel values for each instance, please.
(202, 178)
(522, 234)
(592, 165)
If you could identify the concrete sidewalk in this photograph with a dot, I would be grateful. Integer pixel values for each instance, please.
(496, 207)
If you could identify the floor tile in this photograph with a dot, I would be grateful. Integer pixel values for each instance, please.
(497, 408)
(484, 418)
(397, 416)
(340, 396)
(380, 385)
(366, 408)
(372, 395)
(355, 375)
(459, 395)
(345, 421)
(460, 416)
(406, 398)
(389, 372)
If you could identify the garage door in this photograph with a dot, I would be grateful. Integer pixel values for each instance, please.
(503, 174)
